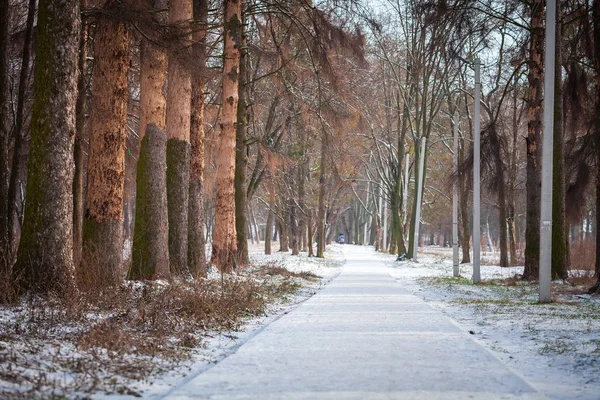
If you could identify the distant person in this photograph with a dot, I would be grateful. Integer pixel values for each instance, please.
(341, 238)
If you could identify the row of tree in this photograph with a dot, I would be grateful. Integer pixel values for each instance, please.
(139, 131)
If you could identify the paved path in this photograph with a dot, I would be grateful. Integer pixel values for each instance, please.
(362, 337)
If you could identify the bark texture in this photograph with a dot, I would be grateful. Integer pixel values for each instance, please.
(596, 30)
(102, 223)
(534, 136)
(241, 159)
(559, 263)
(150, 240)
(224, 246)
(463, 185)
(413, 215)
(45, 256)
(269, 226)
(321, 213)
(4, 134)
(79, 143)
(196, 241)
(179, 94)
(150, 251)
(19, 153)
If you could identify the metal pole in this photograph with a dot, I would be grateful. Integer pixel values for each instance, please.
(455, 267)
(406, 179)
(547, 147)
(419, 197)
(384, 223)
(477, 177)
(378, 237)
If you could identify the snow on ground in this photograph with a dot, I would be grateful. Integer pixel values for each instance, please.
(218, 345)
(56, 362)
(556, 347)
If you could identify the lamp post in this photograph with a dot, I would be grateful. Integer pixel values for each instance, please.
(476, 170)
(455, 266)
(547, 147)
(477, 176)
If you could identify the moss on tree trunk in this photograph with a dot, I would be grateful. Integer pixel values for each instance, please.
(45, 255)
(150, 258)
(241, 159)
(178, 178)
(534, 135)
(559, 264)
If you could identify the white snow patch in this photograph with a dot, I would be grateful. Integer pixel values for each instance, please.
(556, 346)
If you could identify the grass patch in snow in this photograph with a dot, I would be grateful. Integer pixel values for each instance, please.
(105, 341)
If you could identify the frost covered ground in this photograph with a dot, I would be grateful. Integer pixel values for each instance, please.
(556, 347)
(46, 353)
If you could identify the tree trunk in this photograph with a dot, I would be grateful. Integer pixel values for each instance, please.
(45, 256)
(178, 119)
(150, 252)
(79, 143)
(19, 157)
(196, 241)
(283, 226)
(502, 218)
(559, 241)
(301, 201)
(596, 60)
(224, 238)
(534, 136)
(241, 159)
(310, 235)
(293, 227)
(269, 226)
(5, 118)
(465, 236)
(413, 215)
(321, 212)
(102, 224)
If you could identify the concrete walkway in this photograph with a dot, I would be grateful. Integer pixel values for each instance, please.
(362, 337)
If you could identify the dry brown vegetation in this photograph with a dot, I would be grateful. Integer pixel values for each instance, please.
(583, 255)
(102, 340)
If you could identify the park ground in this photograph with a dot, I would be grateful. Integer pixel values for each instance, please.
(159, 337)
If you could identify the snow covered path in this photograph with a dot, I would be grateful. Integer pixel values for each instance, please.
(362, 337)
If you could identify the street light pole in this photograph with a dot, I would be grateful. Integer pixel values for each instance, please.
(455, 267)
(406, 179)
(477, 176)
(547, 147)
(419, 197)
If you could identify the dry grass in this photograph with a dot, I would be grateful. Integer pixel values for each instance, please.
(583, 255)
(104, 339)
(275, 269)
